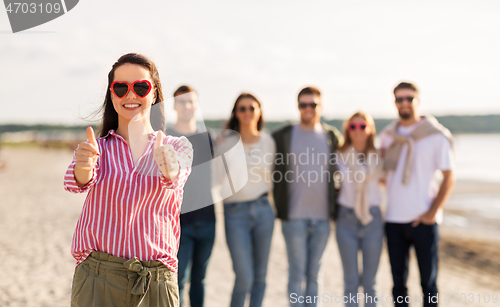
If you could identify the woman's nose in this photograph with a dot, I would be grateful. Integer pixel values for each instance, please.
(131, 94)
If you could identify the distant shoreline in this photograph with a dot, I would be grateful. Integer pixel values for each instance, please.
(458, 124)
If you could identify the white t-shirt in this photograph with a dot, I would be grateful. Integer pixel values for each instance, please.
(347, 195)
(406, 203)
(259, 165)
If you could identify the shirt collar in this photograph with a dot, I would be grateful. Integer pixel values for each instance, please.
(110, 132)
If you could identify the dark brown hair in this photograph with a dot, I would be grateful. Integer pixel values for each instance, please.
(233, 123)
(183, 89)
(110, 117)
(309, 90)
(370, 142)
(406, 85)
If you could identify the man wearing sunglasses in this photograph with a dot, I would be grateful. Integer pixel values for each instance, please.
(415, 148)
(305, 194)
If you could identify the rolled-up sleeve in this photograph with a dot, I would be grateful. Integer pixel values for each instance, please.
(70, 183)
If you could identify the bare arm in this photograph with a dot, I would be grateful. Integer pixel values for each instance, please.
(444, 193)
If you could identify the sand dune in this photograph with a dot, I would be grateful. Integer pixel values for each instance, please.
(37, 220)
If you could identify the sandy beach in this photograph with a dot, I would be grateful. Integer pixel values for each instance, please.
(37, 220)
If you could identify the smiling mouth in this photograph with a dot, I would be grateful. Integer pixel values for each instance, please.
(131, 105)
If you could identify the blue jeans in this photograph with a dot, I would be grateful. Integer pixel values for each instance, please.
(353, 236)
(425, 240)
(249, 230)
(195, 248)
(305, 244)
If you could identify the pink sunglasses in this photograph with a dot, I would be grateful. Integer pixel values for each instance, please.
(354, 126)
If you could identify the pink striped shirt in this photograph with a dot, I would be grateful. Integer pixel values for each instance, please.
(130, 211)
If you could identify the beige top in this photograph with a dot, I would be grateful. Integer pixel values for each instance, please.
(428, 126)
(359, 188)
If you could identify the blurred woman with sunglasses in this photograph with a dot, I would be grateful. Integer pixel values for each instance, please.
(359, 221)
(126, 239)
(249, 217)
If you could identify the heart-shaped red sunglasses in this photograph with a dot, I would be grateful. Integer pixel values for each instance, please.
(121, 88)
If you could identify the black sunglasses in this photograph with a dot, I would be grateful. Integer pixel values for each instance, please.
(401, 99)
(243, 109)
(304, 105)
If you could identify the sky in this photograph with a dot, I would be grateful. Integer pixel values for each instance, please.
(355, 52)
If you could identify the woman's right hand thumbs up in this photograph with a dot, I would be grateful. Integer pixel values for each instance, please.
(86, 158)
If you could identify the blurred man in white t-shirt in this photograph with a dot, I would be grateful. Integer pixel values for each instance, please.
(414, 197)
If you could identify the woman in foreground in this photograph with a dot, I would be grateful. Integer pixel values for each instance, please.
(126, 239)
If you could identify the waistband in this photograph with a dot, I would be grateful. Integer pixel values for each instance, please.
(143, 269)
(107, 257)
(342, 207)
(265, 194)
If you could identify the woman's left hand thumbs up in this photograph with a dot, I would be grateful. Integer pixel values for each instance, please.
(166, 157)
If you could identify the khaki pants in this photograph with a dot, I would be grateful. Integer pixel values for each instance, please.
(106, 280)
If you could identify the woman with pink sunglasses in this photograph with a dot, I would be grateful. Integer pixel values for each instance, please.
(126, 239)
(359, 220)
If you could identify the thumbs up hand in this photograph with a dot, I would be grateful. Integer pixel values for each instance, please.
(166, 158)
(86, 155)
